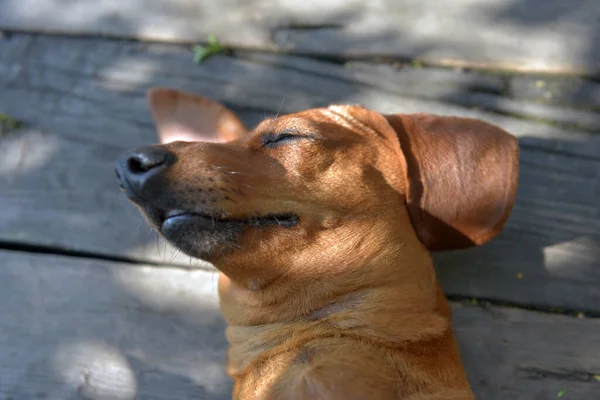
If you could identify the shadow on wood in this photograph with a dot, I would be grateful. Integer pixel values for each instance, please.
(528, 35)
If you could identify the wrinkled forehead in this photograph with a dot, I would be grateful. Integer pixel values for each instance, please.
(329, 121)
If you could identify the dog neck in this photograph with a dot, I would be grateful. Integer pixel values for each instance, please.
(356, 316)
(415, 311)
(381, 268)
(343, 291)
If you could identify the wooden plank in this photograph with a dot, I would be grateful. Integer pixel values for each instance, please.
(83, 102)
(540, 99)
(549, 253)
(78, 328)
(285, 84)
(563, 91)
(510, 353)
(532, 35)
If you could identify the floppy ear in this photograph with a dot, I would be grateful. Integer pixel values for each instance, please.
(462, 178)
(184, 116)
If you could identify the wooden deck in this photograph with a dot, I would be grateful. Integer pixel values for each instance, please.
(93, 306)
(527, 35)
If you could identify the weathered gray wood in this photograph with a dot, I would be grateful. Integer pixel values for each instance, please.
(470, 89)
(549, 253)
(562, 91)
(101, 68)
(516, 354)
(75, 328)
(82, 329)
(529, 35)
(84, 103)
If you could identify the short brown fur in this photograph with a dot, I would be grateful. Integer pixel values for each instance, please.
(345, 305)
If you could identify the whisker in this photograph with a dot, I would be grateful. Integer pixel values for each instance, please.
(173, 251)
(157, 246)
(165, 251)
(176, 251)
(246, 302)
(234, 173)
(176, 255)
(279, 109)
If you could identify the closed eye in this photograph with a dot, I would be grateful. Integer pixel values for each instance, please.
(277, 139)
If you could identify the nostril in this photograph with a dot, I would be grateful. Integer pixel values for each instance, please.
(135, 165)
(141, 162)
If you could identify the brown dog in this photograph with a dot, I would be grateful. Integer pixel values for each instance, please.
(320, 223)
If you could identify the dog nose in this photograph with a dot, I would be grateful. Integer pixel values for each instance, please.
(135, 168)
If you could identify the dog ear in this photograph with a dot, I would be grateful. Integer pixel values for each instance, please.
(462, 177)
(184, 116)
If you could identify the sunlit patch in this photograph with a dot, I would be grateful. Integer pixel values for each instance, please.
(130, 70)
(190, 298)
(181, 133)
(184, 294)
(157, 248)
(95, 370)
(573, 258)
(340, 115)
(26, 150)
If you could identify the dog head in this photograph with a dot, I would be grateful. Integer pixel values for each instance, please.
(323, 181)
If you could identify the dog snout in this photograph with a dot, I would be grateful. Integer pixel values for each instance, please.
(136, 168)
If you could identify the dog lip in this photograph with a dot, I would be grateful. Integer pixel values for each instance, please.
(174, 213)
(286, 220)
(199, 222)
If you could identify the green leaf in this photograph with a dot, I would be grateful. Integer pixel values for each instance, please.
(201, 53)
(416, 64)
(8, 122)
(561, 393)
(212, 40)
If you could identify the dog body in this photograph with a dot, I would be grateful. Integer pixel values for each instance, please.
(321, 223)
(344, 351)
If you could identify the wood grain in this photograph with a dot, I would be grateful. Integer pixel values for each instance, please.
(549, 253)
(560, 101)
(75, 328)
(527, 35)
(83, 329)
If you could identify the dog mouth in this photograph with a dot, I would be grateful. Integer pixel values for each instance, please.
(208, 222)
(203, 235)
